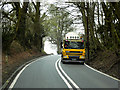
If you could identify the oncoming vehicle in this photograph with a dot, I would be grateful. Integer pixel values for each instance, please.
(73, 48)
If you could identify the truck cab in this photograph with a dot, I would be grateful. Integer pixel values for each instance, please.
(73, 48)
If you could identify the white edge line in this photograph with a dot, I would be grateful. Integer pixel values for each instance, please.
(18, 75)
(76, 86)
(66, 82)
(16, 78)
(102, 72)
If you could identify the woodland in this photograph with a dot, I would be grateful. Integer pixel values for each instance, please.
(28, 24)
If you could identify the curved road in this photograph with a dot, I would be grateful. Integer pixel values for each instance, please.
(49, 72)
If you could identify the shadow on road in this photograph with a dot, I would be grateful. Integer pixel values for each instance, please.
(73, 63)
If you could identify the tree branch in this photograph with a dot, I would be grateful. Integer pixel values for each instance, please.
(6, 15)
(33, 19)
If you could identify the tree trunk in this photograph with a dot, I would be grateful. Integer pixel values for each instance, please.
(21, 24)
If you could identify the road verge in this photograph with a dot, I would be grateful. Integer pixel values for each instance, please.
(101, 72)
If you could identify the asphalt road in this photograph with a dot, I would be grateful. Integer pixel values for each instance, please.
(49, 72)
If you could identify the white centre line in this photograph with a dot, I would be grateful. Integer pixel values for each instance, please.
(66, 82)
(75, 85)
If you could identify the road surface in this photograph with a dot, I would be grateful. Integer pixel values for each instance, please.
(49, 72)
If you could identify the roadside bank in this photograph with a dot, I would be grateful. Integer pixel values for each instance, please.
(107, 62)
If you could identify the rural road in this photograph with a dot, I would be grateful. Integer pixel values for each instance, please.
(49, 72)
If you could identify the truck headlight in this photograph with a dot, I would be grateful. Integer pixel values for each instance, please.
(82, 57)
(65, 56)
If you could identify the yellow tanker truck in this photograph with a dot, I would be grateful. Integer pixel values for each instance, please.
(73, 49)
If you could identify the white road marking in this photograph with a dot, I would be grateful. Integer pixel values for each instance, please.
(18, 75)
(66, 82)
(16, 78)
(102, 73)
(75, 85)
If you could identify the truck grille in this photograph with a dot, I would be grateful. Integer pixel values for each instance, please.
(74, 51)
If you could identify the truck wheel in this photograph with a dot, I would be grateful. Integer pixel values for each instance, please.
(63, 62)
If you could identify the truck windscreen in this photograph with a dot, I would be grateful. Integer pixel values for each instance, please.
(73, 45)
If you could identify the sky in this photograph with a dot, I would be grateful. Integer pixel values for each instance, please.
(50, 48)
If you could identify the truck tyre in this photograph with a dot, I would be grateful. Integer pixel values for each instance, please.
(63, 62)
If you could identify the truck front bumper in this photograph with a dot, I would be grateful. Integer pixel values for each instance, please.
(80, 61)
(73, 59)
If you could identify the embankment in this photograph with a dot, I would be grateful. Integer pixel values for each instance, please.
(107, 62)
